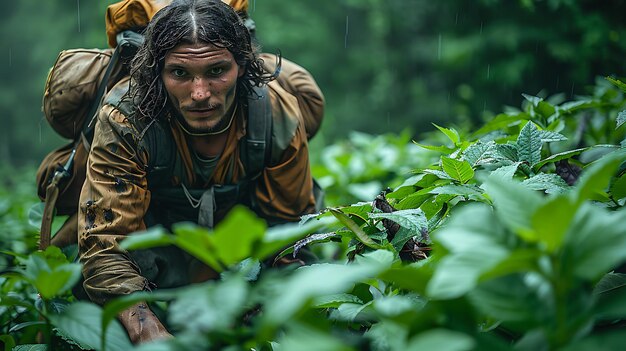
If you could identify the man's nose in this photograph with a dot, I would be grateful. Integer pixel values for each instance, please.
(200, 89)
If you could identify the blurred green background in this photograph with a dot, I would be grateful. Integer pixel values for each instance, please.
(383, 65)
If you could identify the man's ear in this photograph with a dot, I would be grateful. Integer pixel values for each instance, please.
(242, 70)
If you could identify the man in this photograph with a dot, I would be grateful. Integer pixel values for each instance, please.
(185, 110)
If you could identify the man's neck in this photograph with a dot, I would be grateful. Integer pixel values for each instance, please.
(210, 145)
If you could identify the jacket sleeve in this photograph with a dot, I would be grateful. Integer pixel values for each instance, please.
(113, 202)
(300, 83)
(285, 189)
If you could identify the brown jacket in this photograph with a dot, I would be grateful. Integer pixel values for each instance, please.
(116, 196)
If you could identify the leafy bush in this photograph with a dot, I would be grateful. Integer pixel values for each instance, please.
(509, 236)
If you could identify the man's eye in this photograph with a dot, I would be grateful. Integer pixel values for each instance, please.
(178, 73)
(216, 71)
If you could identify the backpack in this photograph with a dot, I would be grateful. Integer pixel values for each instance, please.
(74, 92)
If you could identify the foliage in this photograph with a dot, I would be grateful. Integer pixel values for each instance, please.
(507, 236)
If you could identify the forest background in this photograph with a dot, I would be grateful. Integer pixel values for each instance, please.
(383, 65)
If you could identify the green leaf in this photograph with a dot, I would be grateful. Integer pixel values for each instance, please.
(452, 134)
(305, 338)
(595, 177)
(235, 236)
(31, 347)
(59, 280)
(442, 149)
(549, 136)
(335, 300)
(348, 312)
(474, 249)
(621, 118)
(610, 293)
(195, 240)
(559, 157)
(441, 340)
(457, 169)
(618, 83)
(529, 144)
(534, 100)
(8, 342)
(595, 242)
(81, 322)
(412, 277)
(618, 188)
(463, 190)
(549, 182)
(153, 237)
(355, 228)
(509, 299)
(479, 153)
(395, 305)
(412, 219)
(209, 307)
(515, 205)
(505, 172)
(310, 282)
(552, 220)
(611, 340)
(35, 215)
(507, 152)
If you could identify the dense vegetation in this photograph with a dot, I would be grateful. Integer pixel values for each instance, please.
(449, 225)
(500, 237)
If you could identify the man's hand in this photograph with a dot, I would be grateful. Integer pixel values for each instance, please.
(142, 325)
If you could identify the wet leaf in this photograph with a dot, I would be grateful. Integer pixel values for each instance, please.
(529, 144)
(458, 170)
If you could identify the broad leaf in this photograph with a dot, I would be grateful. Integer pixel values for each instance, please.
(515, 205)
(510, 299)
(441, 340)
(479, 153)
(548, 182)
(234, 237)
(463, 190)
(452, 134)
(595, 242)
(552, 220)
(529, 144)
(355, 228)
(596, 176)
(81, 322)
(474, 249)
(335, 300)
(412, 219)
(621, 118)
(505, 172)
(559, 157)
(208, 307)
(610, 293)
(457, 169)
(549, 136)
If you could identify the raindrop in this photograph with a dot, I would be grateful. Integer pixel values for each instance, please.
(345, 39)
(388, 119)
(481, 27)
(456, 19)
(254, 6)
(572, 93)
(448, 96)
(439, 48)
(78, 12)
(488, 69)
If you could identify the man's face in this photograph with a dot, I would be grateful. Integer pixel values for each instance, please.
(201, 81)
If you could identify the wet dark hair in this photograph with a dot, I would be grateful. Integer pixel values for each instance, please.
(189, 22)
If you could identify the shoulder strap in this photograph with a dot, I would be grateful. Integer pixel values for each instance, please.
(257, 147)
